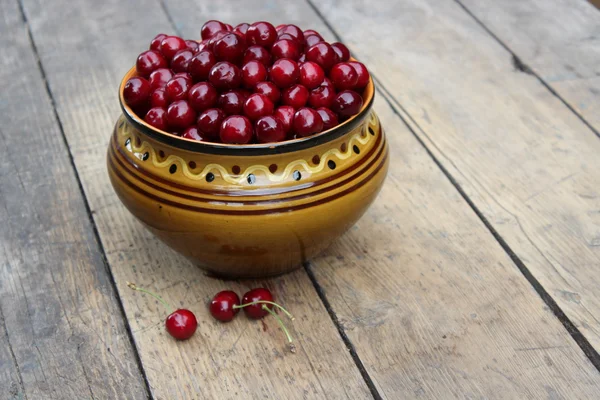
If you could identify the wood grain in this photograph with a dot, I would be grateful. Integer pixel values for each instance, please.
(558, 39)
(62, 334)
(526, 161)
(242, 359)
(432, 304)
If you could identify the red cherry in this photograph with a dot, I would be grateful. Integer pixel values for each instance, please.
(193, 133)
(268, 89)
(286, 36)
(136, 91)
(309, 32)
(157, 117)
(343, 76)
(253, 72)
(269, 129)
(181, 324)
(284, 48)
(284, 72)
(185, 76)
(307, 122)
(160, 77)
(229, 48)
(279, 27)
(155, 43)
(285, 114)
(258, 105)
(295, 96)
(225, 75)
(241, 30)
(262, 34)
(236, 129)
(229, 27)
(329, 118)
(232, 102)
(341, 50)
(181, 60)
(312, 40)
(221, 306)
(171, 45)
(211, 42)
(210, 28)
(255, 310)
(180, 114)
(149, 61)
(158, 98)
(323, 95)
(202, 96)
(209, 122)
(311, 74)
(201, 64)
(363, 74)
(292, 30)
(347, 103)
(302, 58)
(177, 88)
(322, 54)
(192, 45)
(257, 53)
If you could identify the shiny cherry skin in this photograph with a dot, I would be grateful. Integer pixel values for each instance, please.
(307, 122)
(322, 54)
(363, 74)
(192, 45)
(257, 53)
(284, 48)
(210, 28)
(180, 115)
(229, 28)
(309, 32)
(159, 78)
(343, 76)
(209, 122)
(157, 117)
(269, 129)
(293, 30)
(329, 118)
(311, 74)
(181, 324)
(171, 45)
(295, 96)
(230, 48)
(201, 64)
(181, 60)
(347, 103)
(232, 102)
(193, 133)
(158, 98)
(258, 105)
(269, 89)
(184, 75)
(136, 91)
(323, 95)
(177, 88)
(287, 36)
(236, 129)
(221, 306)
(241, 30)
(341, 50)
(312, 40)
(202, 96)
(225, 76)
(211, 42)
(262, 34)
(302, 58)
(155, 43)
(284, 73)
(149, 61)
(285, 114)
(253, 72)
(259, 294)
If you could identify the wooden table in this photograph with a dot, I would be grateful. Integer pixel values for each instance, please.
(476, 274)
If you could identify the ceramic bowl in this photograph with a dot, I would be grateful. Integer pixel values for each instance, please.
(254, 210)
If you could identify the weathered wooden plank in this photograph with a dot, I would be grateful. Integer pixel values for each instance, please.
(62, 334)
(100, 40)
(525, 160)
(558, 39)
(432, 304)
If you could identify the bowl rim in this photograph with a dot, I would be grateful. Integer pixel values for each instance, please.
(249, 149)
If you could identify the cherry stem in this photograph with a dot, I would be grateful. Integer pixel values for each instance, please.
(289, 337)
(157, 297)
(263, 302)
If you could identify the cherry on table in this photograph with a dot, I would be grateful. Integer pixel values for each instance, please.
(236, 129)
(202, 96)
(269, 129)
(157, 117)
(201, 64)
(347, 103)
(286, 115)
(170, 45)
(363, 74)
(258, 105)
(253, 72)
(136, 91)
(285, 48)
(181, 60)
(257, 53)
(158, 98)
(311, 74)
(295, 96)
(177, 88)
(222, 305)
(323, 95)
(256, 298)
(343, 76)
(269, 89)
(307, 122)
(159, 78)
(262, 34)
(229, 48)
(149, 61)
(232, 102)
(225, 76)
(180, 114)
(284, 73)
(209, 122)
(329, 118)
(322, 54)
(210, 28)
(155, 43)
(341, 50)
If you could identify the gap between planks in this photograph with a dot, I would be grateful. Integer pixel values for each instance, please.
(403, 114)
(88, 210)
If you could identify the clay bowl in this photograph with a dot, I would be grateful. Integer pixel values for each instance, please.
(254, 210)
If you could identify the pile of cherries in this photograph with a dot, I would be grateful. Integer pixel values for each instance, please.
(249, 84)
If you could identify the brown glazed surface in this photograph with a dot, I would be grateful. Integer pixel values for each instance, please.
(252, 213)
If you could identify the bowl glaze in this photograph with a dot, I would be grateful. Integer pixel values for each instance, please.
(253, 210)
